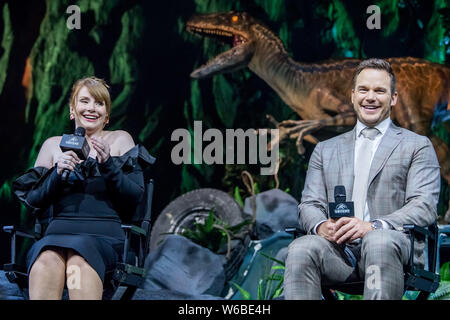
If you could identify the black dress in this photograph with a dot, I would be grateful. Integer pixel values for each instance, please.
(86, 211)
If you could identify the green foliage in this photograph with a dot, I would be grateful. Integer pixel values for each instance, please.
(389, 10)
(237, 196)
(443, 291)
(444, 272)
(284, 35)
(5, 191)
(435, 39)
(122, 63)
(213, 233)
(271, 286)
(275, 9)
(346, 296)
(6, 44)
(213, 6)
(188, 181)
(410, 295)
(196, 101)
(226, 98)
(152, 122)
(245, 294)
(206, 234)
(256, 187)
(343, 31)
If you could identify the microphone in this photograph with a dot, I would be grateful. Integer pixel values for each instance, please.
(340, 208)
(77, 143)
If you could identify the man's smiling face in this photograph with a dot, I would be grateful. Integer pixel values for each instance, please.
(372, 98)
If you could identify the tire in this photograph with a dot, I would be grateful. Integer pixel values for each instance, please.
(181, 213)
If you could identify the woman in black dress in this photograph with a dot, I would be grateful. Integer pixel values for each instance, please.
(83, 239)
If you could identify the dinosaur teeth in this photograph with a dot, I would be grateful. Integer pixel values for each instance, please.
(237, 39)
(210, 31)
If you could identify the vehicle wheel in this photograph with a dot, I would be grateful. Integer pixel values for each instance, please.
(194, 206)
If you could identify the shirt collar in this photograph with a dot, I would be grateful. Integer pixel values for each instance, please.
(382, 126)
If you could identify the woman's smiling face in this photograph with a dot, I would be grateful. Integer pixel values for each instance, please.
(89, 113)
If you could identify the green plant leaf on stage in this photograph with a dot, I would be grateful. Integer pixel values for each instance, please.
(237, 196)
(444, 272)
(245, 294)
(226, 100)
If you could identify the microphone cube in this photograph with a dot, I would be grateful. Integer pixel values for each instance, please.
(75, 143)
(341, 209)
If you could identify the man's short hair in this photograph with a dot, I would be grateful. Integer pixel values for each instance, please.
(375, 63)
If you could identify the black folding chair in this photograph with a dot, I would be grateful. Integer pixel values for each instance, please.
(426, 281)
(129, 274)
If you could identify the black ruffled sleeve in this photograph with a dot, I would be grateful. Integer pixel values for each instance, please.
(38, 187)
(124, 177)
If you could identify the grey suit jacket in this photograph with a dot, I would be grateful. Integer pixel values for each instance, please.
(404, 179)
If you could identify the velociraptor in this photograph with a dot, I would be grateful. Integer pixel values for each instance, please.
(320, 92)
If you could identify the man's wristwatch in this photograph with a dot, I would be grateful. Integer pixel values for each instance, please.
(377, 225)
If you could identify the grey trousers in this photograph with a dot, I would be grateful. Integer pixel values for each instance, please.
(312, 260)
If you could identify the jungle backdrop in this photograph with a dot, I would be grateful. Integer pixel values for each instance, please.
(142, 50)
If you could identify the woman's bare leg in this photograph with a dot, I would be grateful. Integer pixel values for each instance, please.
(83, 282)
(47, 275)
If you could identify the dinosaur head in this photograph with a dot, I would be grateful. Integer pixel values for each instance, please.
(234, 28)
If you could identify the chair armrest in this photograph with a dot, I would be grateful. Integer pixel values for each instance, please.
(295, 231)
(129, 230)
(134, 229)
(430, 234)
(416, 230)
(129, 275)
(21, 232)
(17, 231)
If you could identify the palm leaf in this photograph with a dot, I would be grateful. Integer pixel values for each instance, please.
(443, 292)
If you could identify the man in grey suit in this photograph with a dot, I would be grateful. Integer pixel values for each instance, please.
(391, 174)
